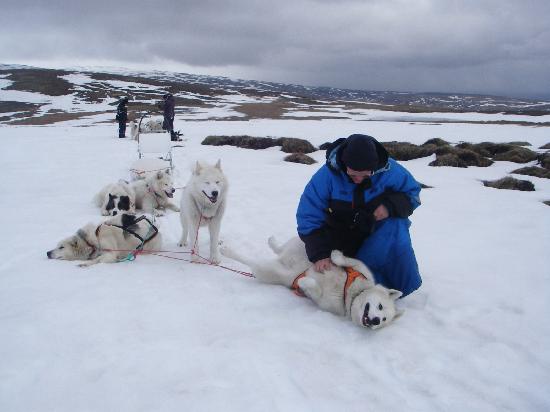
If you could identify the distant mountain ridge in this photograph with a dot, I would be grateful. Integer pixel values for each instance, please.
(199, 89)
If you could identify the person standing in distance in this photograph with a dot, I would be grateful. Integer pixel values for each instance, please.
(359, 202)
(122, 116)
(168, 107)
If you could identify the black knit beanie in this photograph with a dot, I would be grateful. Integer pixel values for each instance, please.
(359, 153)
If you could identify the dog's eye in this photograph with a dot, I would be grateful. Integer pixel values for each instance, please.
(61, 247)
(380, 307)
(383, 319)
(217, 182)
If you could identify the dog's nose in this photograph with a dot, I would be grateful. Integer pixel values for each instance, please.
(173, 190)
(49, 253)
(375, 321)
(215, 193)
(114, 212)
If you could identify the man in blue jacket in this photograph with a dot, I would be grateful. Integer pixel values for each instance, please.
(359, 202)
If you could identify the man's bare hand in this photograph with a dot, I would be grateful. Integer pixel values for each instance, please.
(322, 265)
(381, 213)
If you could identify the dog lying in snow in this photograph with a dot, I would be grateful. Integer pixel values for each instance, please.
(338, 290)
(203, 203)
(108, 242)
(116, 198)
(153, 193)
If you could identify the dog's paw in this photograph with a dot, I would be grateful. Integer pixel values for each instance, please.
(337, 258)
(215, 258)
(158, 213)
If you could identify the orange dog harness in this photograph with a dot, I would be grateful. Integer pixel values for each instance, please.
(352, 274)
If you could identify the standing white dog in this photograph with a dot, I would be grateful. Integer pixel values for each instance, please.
(346, 289)
(203, 203)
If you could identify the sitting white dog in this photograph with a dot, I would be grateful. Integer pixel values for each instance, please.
(346, 289)
(153, 193)
(108, 242)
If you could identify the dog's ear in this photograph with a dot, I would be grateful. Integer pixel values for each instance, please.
(394, 294)
(198, 168)
(219, 164)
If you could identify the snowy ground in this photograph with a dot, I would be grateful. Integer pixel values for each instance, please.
(160, 334)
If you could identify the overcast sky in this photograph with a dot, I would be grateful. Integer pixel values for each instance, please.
(485, 46)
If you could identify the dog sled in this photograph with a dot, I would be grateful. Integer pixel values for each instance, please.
(154, 148)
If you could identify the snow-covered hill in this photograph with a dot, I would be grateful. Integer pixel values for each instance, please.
(162, 334)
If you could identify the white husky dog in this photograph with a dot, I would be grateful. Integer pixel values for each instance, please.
(153, 193)
(116, 198)
(109, 241)
(338, 290)
(134, 130)
(203, 203)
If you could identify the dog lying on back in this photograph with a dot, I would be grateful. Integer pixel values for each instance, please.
(347, 289)
(108, 242)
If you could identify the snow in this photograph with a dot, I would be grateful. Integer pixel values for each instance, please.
(161, 334)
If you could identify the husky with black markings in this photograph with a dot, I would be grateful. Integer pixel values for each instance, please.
(203, 203)
(116, 198)
(110, 241)
(346, 289)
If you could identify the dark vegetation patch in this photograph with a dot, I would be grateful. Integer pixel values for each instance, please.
(43, 81)
(271, 110)
(511, 183)
(50, 118)
(299, 158)
(408, 151)
(546, 146)
(17, 110)
(501, 151)
(544, 160)
(547, 202)
(288, 144)
(436, 141)
(533, 171)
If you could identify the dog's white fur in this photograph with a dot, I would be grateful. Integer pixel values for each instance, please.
(105, 243)
(134, 130)
(203, 203)
(153, 193)
(111, 199)
(152, 126)
(326, 289)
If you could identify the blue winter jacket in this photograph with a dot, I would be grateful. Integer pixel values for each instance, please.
(328, 215)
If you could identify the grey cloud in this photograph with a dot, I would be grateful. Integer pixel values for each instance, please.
(439, 45)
